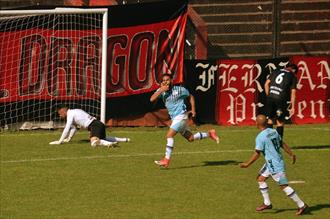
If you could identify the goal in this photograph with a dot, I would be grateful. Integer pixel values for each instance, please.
(51, 58)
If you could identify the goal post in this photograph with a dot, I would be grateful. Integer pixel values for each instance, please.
(50, 58)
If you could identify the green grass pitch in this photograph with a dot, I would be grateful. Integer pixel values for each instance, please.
(74, 180)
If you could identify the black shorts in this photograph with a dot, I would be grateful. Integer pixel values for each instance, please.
(97, 129)
(277, 109)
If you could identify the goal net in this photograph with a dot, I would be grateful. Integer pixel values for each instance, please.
(51, 58)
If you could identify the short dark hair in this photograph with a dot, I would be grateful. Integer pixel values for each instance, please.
(168, 75)
(292, 66)
(61, 106)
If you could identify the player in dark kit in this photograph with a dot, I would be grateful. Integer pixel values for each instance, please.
(280, 88)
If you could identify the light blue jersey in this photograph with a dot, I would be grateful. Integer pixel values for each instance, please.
(174, 100)
(268, 142)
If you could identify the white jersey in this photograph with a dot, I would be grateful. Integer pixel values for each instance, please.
(76, 117)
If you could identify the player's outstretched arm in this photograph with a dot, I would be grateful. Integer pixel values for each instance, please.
(253, 158)
(288, 150)
(73, 130)
(65, 133)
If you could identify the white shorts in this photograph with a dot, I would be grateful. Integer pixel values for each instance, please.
(279, 177)
(179, 123)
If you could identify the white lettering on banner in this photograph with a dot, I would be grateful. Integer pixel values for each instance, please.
(237, 109)
(208, 76)
(305, 74)
(271, 67)
(313, 103)
(283, 64)
(302, 105)
(238, 104)
(254, 108)
(226, 78)
(249, 79)
(324, 69)
(241, 79)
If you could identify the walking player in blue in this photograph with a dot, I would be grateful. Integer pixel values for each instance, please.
(174, 97)
(269, 142)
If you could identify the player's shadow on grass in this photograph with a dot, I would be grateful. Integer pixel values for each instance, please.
(210, 163)
(220, 163)
(317, 207)
(84, 141)
(311, 147)
(309, 211)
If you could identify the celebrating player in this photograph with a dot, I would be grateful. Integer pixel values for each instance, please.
(173, 97)
(268, 142)
(279, 88)
(79, 117)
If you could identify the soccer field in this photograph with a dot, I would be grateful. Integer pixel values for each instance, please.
(74, 180)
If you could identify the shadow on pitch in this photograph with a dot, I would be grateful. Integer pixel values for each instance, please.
(84, 141)
(209, 163)
(318, 207)
(309, 211)
(311, 147)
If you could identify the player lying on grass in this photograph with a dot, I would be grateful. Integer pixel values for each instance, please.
(95, 127)
(174, 97)
(269, 142)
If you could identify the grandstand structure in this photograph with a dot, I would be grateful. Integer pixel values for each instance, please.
(262, 29)
(240, 29)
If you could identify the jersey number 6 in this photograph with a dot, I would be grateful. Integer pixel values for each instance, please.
(279, 78)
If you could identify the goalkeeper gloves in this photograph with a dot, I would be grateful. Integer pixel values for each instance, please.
(67, 139)
(55, 142)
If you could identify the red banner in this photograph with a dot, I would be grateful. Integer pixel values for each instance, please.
(312, 102)
(236, 92)
(43, 64)
(241, 81)
(139, 55)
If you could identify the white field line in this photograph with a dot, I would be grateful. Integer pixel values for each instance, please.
(134, 155)
(297, 182)
(52, 133)
(120, 156)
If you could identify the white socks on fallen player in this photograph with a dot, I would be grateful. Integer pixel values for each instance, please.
(293, 195)
(104, 142)
(122, 139)
(100, 142)
(116, 139)
(200, 135)
(169, 148)
(264, 191)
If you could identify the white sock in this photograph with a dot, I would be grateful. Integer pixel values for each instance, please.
(169, 148)
(122, 139)
(264, 191)
(200, 135)
(116, 139)
(104, 142)
(293, 195)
